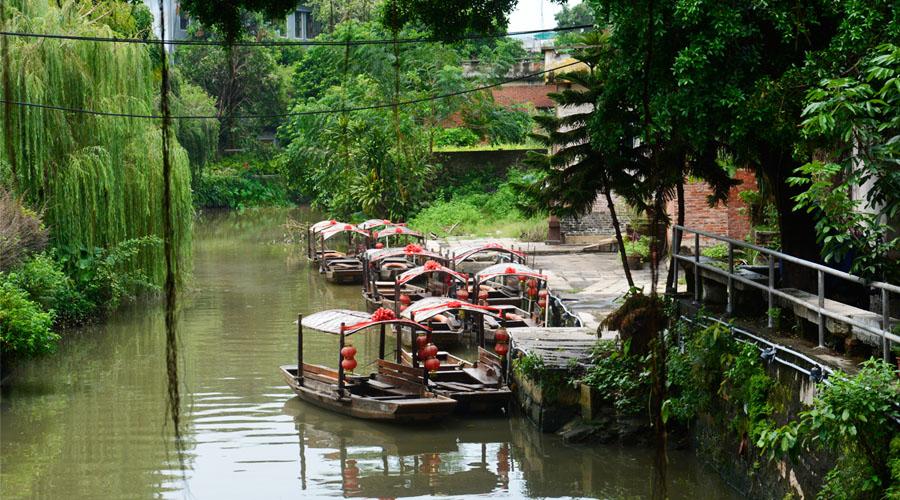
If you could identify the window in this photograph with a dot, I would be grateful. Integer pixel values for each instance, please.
(299, 21)
(312, 27)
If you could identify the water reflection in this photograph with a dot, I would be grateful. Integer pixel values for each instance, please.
(89, 421)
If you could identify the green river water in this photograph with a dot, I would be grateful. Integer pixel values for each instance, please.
(90, 422)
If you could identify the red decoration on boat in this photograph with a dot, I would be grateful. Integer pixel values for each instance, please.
(399, 230)
(543, 293)
(348, 364)
(432, 364)
(542, 303)
(454, 304)
(385, 221)
(532, 283)
(431, 351)
(483, 295)
(403, 307)
(332, 222)
(405, 300)
(421, 341)
(501, 349)
(382, 314)
(348, 227)
(348, 352)
(432, 265)
(501, 335)
(510, 270)
(379, 245)
(412, 247)
(421, 354)
(462, 294)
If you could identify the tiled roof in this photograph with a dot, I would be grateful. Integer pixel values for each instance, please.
(519, 94)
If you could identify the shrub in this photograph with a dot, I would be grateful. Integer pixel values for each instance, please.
(619, 377)
(46, 283)
(719, 251)
(458, 136)
(639, 247)
(21, 231)
(24, 327)
(224, 190)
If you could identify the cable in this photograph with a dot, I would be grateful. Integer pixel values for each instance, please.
(285, 115)
(283, 43)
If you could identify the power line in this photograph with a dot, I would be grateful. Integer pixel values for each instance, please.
(282, 43)
(289, 114)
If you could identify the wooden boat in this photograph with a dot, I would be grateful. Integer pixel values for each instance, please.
(431, 279)
(477, 387)
(312, 233)
(517, 285)
(474, 258)
(382, 266)
(391, 394)
(449, 320)
(336, 266)
(396, 235)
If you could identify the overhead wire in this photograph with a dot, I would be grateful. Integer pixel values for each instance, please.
(286, 43)
(288, 114)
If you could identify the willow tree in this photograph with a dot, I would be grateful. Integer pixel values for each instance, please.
(98, 178)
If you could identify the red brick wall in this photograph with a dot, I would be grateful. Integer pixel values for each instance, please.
(727, 220)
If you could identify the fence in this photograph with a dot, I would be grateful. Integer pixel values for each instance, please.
(883, 332)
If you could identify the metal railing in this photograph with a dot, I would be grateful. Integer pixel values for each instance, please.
(884, 331)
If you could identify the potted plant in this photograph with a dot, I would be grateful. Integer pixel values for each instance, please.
(636, 252)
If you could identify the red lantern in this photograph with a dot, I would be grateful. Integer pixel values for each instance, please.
(403, 307)
(532, 292)
(399, 230)
(347, 227)
(432, 265)
(379, 245)
(501, 349)
(501, 335)
(421, 341)
(348, 364)
(432, 364)
(348, 352)
(542, 303)
(431, 351)
(543, 293)
(532, 283)
(421, 354)
(522, 279)
(483, 295)
(462, 294)
(404, 299)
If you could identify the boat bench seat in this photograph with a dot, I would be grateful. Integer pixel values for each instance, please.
(380, 385)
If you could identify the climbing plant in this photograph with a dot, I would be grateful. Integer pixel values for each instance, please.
(97, 178)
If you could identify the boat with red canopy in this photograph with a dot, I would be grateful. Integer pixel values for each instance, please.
(397, 235)
(381, 266)
(340, 267)
(473, 258)
(394, 393)
(430, 279)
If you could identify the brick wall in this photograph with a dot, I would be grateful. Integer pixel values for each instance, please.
(728, 220)
(598, 221)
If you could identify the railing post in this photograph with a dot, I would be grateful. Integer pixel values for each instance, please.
(771, 260)
(821, 289)
(729, 309)
(697, 267)
(885, 323)
(676, 246)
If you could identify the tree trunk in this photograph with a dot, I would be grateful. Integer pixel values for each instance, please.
(619, 239)
(671, 286)
(797, 228)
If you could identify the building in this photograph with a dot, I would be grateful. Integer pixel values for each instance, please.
(298, 25)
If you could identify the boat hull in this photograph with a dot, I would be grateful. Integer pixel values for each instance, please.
(409, 408)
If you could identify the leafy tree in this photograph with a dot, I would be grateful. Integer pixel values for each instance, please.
(577, 15)
(228, 18)
(200, 138)
(331, 12)
(856, 119)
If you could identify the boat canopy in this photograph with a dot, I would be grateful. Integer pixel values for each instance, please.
(428, 307)
(395, 230)
(467, 252)
(325, 224)
(346, 228)
(508, 269)
(330, 321)
(431, 266)
(373, 223)
(377, 254)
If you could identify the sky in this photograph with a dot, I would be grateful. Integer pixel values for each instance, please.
(528, 14)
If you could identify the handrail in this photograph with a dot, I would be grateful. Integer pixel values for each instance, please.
(884, 332)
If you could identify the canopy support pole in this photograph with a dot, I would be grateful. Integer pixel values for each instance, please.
(299, 347)
(341, 365)
(381, 343)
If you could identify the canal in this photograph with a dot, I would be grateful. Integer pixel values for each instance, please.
(89, 421)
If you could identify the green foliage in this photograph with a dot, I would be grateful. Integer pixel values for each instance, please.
(619, 377)
(200, 138)
(21, 231)
(107, 276)
(457, 136)
(223, 189)
(718, 251)
(229, 18)
(43, 278)
(550, 381)
(98, 177)
(449, 19)
(24, 327)
(478, 205)
(714, 372)
(639, 247)
(853, 418)
(497, 124)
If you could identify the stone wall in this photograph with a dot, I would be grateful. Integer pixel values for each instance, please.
(598, 222)
(455, 164)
